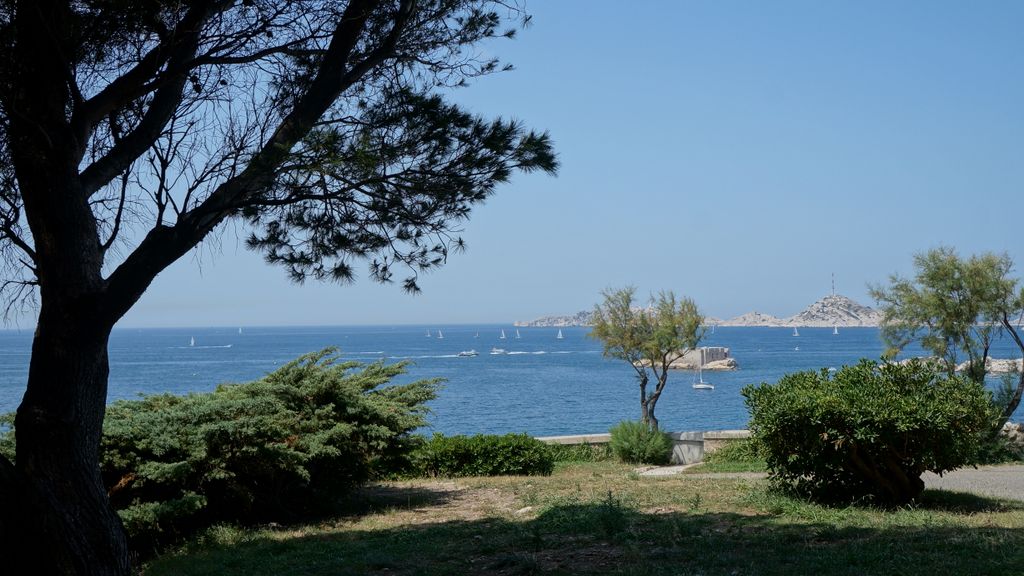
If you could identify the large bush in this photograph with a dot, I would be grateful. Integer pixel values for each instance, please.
(485, 455)
(279, 448)
(639, 443)
(868, 430)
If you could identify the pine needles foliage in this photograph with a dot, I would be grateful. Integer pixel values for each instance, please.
(284, 447)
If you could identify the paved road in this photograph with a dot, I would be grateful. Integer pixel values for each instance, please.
(997, 481)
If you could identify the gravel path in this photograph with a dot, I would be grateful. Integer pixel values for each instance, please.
(996, 481)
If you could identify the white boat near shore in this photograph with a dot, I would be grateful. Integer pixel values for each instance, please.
(700, 384)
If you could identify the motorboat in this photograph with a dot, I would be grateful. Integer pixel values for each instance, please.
(466, 353)
(498, 351)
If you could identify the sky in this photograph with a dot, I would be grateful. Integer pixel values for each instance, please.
(738, 153)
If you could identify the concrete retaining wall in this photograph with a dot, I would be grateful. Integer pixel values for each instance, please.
(688, 447)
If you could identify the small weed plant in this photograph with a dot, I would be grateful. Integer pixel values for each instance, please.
(638, 443)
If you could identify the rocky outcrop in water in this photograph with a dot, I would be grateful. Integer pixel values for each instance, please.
(583, 318)
(1013, 432)
(832, 310)
(836, 310)
(752, 319)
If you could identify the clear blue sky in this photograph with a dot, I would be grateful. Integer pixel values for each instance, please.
(735, 152)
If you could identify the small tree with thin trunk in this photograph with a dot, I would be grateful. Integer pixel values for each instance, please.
(956, 308)
(649, 339)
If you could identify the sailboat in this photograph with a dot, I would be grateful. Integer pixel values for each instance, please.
(439, 335)
(502, 337)
(192, 341)
(428, 333)
(700, 384)
(835, 329)
(517, 334)
(559, 334)
(795, 333)
(239, 330)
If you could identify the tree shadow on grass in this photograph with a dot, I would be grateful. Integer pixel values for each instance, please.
(965, 503)
(609, 538)
(378, 497)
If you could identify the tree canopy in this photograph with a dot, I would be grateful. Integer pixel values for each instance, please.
(956, 308)
(322, 125)
(650, 339)
(130, 131)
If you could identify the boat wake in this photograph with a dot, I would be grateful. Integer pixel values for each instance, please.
(423, 357)
(199, 347)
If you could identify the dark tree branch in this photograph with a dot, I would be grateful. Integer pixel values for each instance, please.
(163, 245)
(174, 50)
(161, 110)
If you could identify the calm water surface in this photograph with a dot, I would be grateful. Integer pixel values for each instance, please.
(542, 386)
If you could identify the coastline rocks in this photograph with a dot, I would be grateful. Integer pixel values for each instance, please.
(717, 366)
(832, 310)
(582, 318)
(1013, 432)
(836, 310)
(997, 365)
(753, 319)
(992, 365)
(727, 364)
(716, 358)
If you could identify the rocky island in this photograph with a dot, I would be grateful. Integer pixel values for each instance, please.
(832, 310)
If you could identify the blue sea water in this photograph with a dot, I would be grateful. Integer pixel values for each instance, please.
(542, 386)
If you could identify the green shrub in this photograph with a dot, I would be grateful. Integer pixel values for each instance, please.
(484, 455)
(638, 443)
(742, 450)
(581, 452)
(743, 455)
(869, 430)
(279, 448)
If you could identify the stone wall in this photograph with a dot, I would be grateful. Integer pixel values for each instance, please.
(687, 447)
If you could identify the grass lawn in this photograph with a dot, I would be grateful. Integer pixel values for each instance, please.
(602, 518)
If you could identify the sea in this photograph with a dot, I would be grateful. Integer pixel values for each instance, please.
(541, 385)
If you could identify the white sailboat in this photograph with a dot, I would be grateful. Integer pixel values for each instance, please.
(239, 330)
(192, 341)
(559, 337)
(428, 333)
(517, 334)
(835, 329)
(439, 334)
(700, 384)
(502, 337)
(795, 332)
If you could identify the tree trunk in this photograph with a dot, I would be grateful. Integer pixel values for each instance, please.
(58, 429)
(1014, 401)
(644, 413)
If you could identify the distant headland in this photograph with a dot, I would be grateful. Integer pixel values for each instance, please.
(833, 310)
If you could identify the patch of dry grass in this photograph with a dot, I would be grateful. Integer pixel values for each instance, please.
(603, 518)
